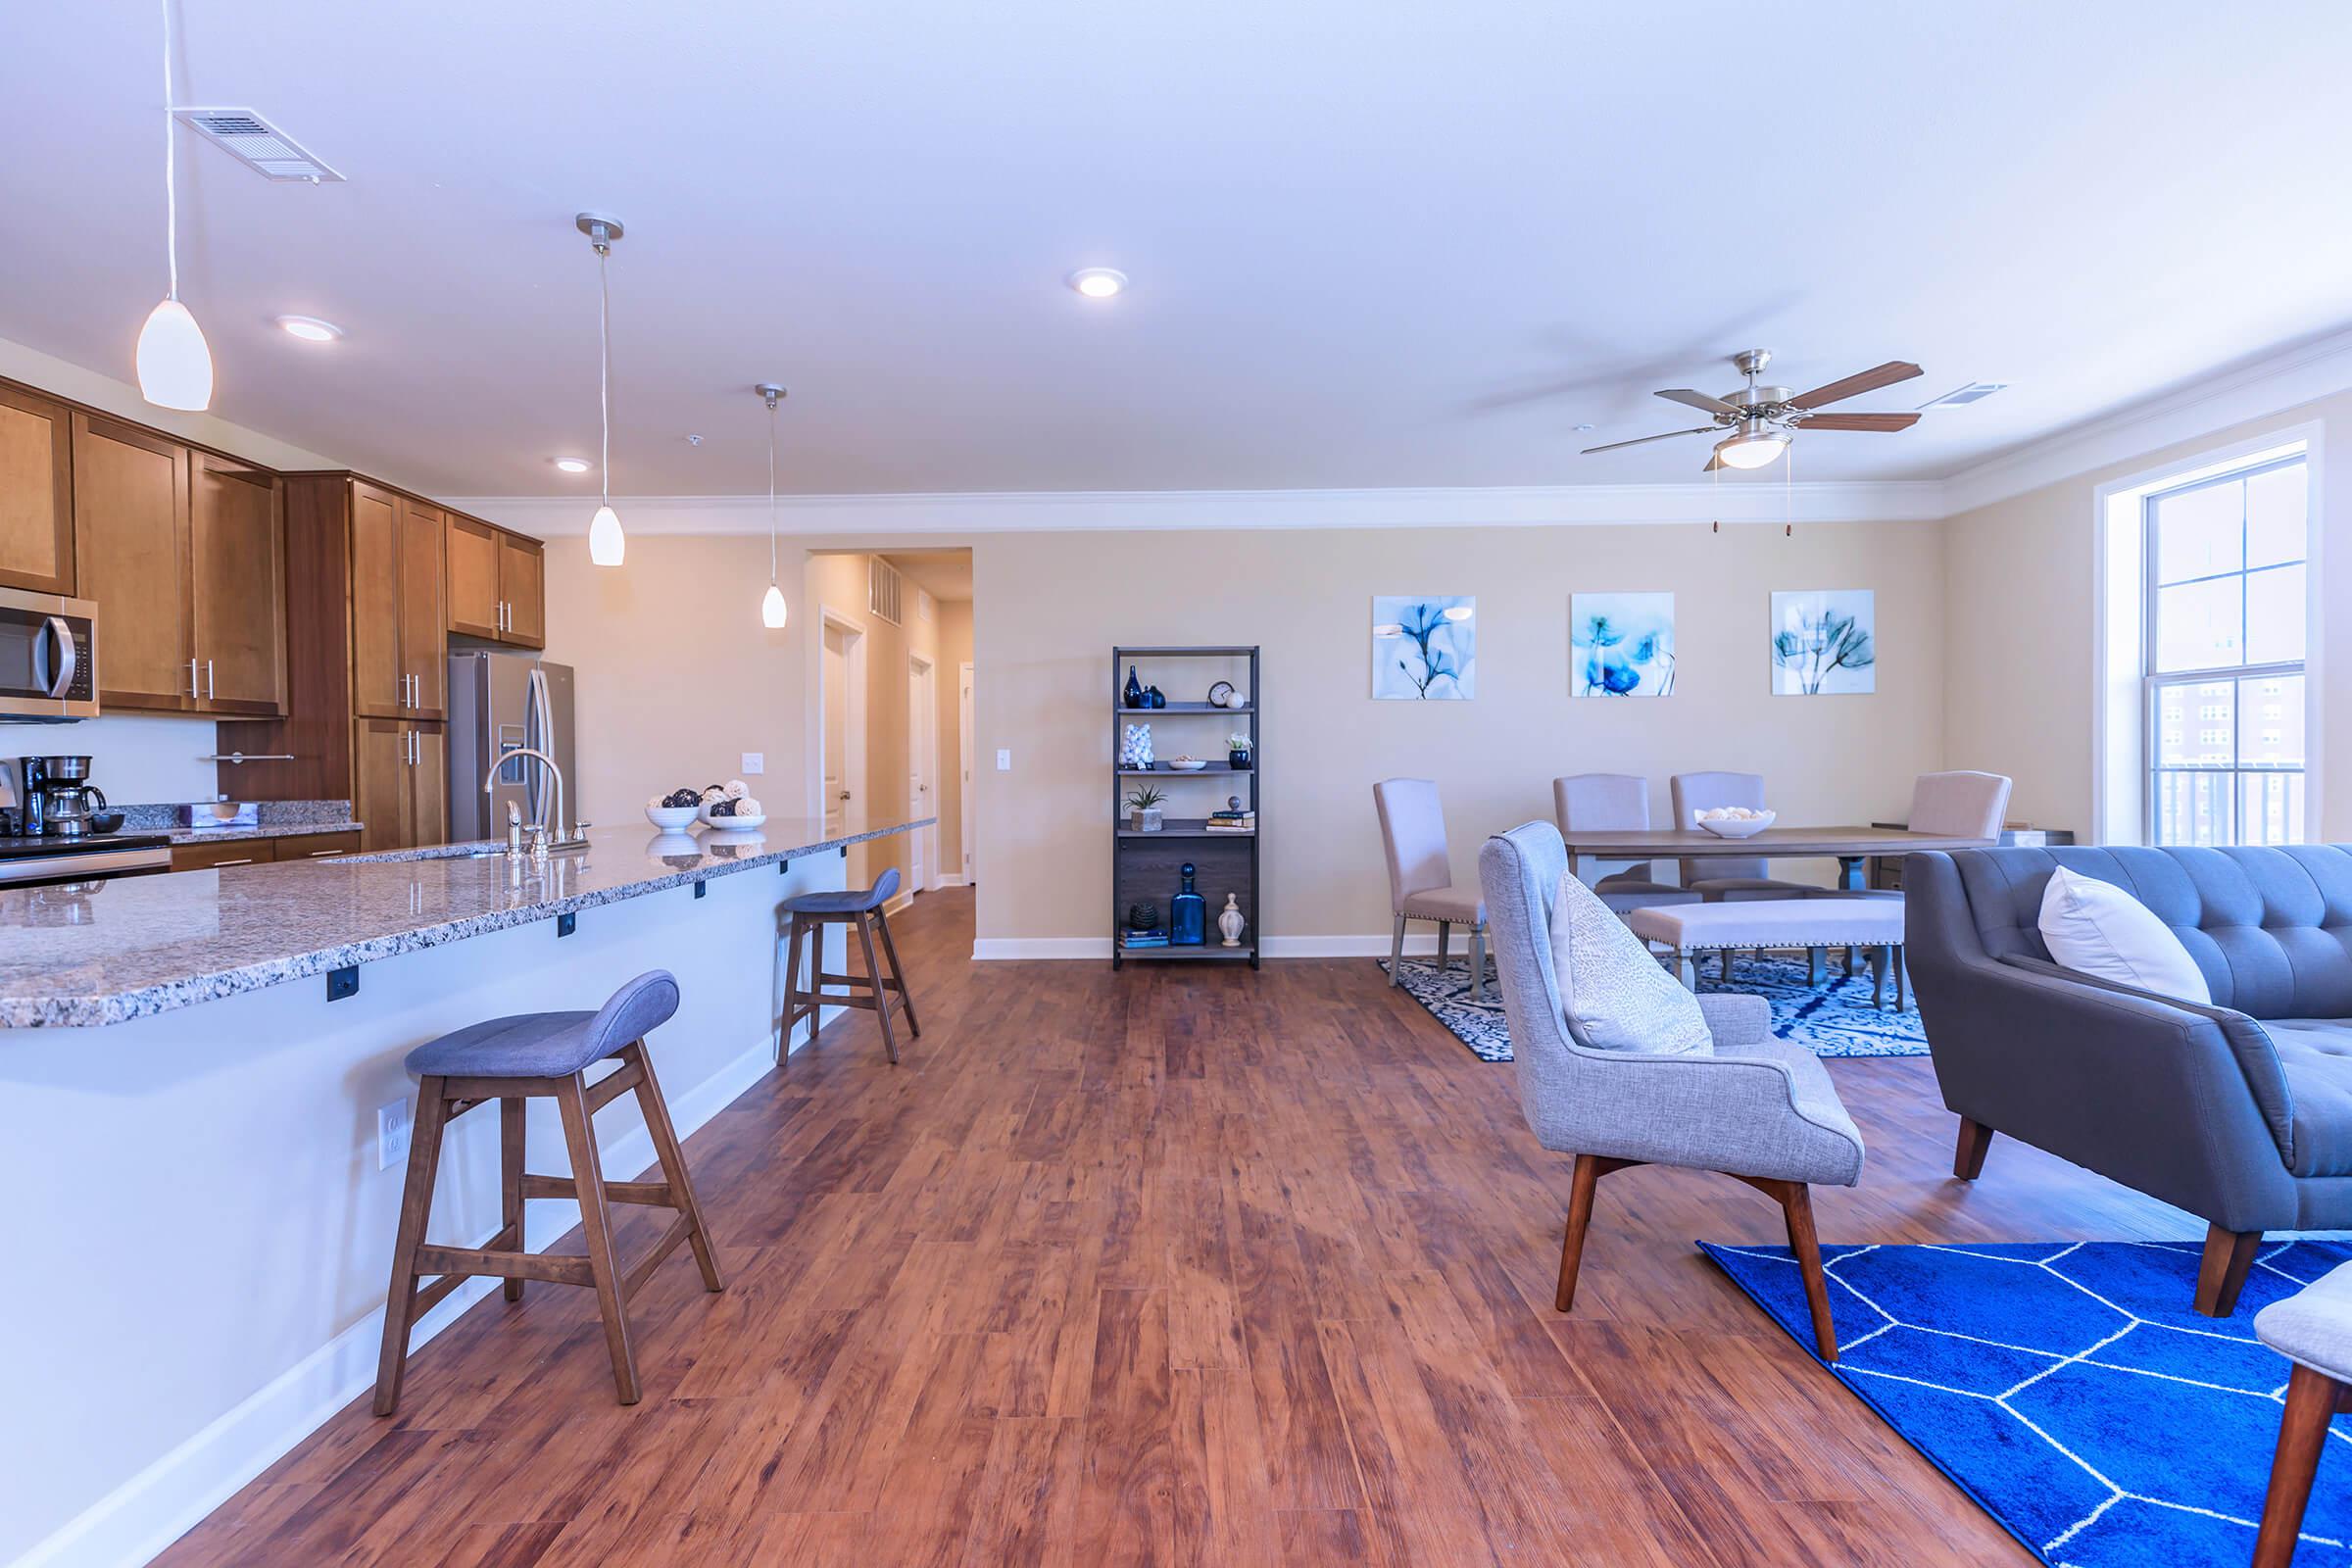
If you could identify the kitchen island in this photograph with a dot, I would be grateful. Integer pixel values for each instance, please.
(202, 1108)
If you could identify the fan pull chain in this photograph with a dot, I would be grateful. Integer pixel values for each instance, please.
(1716, 469)
(1787, 489)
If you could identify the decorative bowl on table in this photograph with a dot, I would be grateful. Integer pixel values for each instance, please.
(1187, 764)
(1746, 825)
(743, 823)
(671, 818)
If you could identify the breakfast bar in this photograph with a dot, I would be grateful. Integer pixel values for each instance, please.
(202, 1097)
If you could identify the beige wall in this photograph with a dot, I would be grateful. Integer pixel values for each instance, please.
(1051, 607)
(2018, 628)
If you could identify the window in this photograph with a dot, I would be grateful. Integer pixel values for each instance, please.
(2223, 676)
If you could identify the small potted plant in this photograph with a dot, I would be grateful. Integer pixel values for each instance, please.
(1237, 750)
(1143, 810)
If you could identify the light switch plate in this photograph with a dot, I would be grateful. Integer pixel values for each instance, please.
(391, 1134)
(754, 762)
(1003, 761)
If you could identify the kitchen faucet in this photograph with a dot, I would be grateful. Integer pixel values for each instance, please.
(571, 838)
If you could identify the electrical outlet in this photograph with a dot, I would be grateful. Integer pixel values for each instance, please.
(1003, 761)
(754, 763)
(391, 1135)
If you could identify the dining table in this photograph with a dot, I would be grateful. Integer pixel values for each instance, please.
(1852, 848)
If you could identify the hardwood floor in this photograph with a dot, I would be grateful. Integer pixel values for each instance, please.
(1182, 1265)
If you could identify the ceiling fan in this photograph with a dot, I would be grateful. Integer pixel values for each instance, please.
(1756, 423)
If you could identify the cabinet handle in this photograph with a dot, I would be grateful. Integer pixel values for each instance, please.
(315, 854)
(219, 865)
(191, 680)
(208, 680)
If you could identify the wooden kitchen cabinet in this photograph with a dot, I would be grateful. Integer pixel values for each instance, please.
(398, 792)
(36, 492)
(423, 600)
(238, 565)
(522, 590)
(131, 550)
(378, 687)
(227, 852)
(473, 596)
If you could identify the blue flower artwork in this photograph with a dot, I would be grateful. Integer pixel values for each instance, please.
(1424, 648)
(1824, 641)
(1621, 645)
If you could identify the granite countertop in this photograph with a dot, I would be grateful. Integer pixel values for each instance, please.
(266, 830)
(103, 952)
(277, 819)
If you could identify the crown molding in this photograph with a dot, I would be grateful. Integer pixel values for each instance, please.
(2252, 389)
(1045, 511)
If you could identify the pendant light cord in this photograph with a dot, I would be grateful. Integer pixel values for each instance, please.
(604, 373)
(171, 185)
(771, 492)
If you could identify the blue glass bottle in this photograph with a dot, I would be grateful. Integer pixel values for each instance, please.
(1135, 690)
(1188, 915)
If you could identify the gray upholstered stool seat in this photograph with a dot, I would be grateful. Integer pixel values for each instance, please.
(861, 908)
(847, 900)
(550, 1044)
(2313, 1329)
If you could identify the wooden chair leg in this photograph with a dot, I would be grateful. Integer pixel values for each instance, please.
(672, 1156)
(792, 985)
(1579, 1216)
(2223, 1272)
(416, 1207)
(1968, 1156)
(898, 976)
(1797, 1202)
(510, 1123)
(1722, 965)
(596, 1223)
(1396, 954)
(1444, 941)
(1816, 966)
(1903, 982)
(2311, 1400)
(1477, 964)
(873, 979)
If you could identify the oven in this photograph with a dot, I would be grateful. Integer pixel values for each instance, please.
(48, 657)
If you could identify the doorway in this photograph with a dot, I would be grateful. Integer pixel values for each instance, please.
(922, 771)
(963, 771)
(842, 728)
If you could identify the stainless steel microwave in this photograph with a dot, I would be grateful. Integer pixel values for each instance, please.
(48, 657)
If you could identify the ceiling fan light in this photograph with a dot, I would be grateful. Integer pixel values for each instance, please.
(175, 367)
(605, 544)
(1751, 451)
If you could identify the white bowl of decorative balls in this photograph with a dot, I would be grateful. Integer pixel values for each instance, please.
(1734, 821)
(730, 807)
(676, 812)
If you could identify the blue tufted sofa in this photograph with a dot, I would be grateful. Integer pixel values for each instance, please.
(2239, 1112)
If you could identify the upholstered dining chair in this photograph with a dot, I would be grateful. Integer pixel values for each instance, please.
(1756, 1108)
(1718, 878)
(1615, 803)
(1961, 804)
(1412, 829)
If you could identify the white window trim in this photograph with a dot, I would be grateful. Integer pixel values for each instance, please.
(2119, 626)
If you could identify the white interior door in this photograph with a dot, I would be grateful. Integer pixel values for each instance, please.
(837, 729)
(963, 764)
(922, 793)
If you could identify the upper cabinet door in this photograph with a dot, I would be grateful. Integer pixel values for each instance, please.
(36, 493)
(522, 589)
(472, 577)
(237, 546)
(378, 687)
(423, 608)
(130, 552)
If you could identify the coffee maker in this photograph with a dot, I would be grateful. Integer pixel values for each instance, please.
(58, 797)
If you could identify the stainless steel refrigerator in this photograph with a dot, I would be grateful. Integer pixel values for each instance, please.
(498, 704)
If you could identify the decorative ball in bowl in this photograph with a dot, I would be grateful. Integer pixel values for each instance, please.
(1734, 821)
(671, 818)
(730, 815)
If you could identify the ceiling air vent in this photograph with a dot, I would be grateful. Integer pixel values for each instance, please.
(256, 143)
(1974, 392)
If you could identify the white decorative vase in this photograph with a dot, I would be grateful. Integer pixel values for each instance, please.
(1231, 921)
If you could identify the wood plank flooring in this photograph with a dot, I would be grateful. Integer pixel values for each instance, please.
(1186, 1266)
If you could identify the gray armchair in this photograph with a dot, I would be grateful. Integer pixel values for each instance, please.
(1412, 831)
(2240, 1111)
(1759, 1109)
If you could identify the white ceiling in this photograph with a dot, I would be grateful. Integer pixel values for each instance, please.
(945, 574)
(1360, 234)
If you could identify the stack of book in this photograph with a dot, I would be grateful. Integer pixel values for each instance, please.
(1230, 821)
(1144, 939)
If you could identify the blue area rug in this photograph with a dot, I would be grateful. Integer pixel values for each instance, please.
(1835, 1020)
(2068, 1387)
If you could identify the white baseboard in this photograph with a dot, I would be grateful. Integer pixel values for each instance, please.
(137, 1520)
(988, 949)
(945, 880)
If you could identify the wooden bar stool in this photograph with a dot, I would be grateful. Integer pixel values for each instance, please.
(509, 1060)
(810, 914)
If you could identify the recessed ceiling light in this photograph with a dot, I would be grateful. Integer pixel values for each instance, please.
(1098, 282)
(310, 328)
(571, 464)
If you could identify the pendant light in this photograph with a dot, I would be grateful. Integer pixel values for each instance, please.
(773, 611)
(606, 543)
(175, 367)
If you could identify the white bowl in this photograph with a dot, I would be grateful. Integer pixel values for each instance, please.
(1736, 827)
(734, 824)
(1186, 765)
(671, 818)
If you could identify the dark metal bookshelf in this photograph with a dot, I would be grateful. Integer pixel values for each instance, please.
(1145, 866)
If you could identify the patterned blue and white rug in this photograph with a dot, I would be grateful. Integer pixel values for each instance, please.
(2071, 1389)
(1835, 1020)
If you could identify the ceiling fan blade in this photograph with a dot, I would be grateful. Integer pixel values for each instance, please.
(1714, 462)
(1640, 440)
(1853, 386)
(1697, 400)
(1860, 421)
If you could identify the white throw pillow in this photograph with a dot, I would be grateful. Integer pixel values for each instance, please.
(1615, 994)
(2099, 929)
